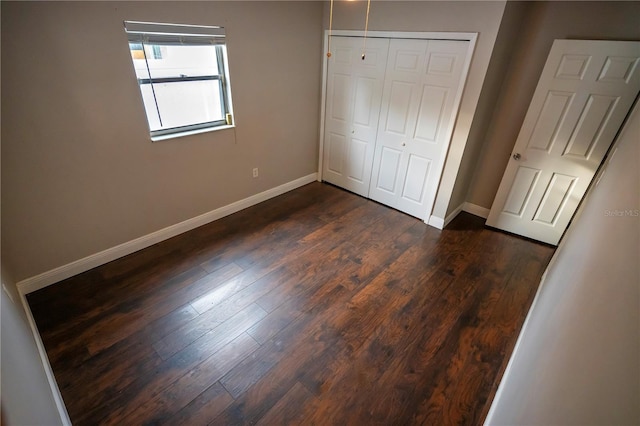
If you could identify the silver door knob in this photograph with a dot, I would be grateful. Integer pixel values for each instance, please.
(517, 156)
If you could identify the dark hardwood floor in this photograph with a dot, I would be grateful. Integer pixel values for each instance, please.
(315, 307)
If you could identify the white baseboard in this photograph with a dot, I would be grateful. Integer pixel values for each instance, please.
(435, 221)
(60, 273)
(476, 210)
(440, 223)
(53, 385)
(453, 214)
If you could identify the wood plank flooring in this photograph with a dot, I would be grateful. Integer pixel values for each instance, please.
(316, 307)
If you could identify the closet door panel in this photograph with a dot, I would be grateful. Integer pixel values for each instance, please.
(417, 172)
(431, 113)
(354, 88)
(340, 105)
(421, 83)
(335, 149)
(400, 104)
(440, 84)
(397, 115)
(385, 182)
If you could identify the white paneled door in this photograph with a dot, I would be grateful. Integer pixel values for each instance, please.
(389, 117)
(354, 93)
(421, 92)
(584, 93)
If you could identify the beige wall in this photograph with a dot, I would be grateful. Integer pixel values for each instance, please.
(577, 360)
(510, 27)
(482, 17)
(545, 21)
(79, 172)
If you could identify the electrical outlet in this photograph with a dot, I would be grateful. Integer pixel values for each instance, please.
(255, 172)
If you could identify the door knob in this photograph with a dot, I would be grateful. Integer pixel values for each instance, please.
(517, 156)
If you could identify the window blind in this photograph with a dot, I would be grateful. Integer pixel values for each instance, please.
(173, 34)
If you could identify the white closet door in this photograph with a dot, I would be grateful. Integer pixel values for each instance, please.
(419, 102)
(354, 93)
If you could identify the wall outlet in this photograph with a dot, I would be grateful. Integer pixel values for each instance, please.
(255, 172)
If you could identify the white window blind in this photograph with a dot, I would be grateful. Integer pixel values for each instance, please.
(170, 34)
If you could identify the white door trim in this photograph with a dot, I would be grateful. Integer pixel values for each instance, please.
(471, 37)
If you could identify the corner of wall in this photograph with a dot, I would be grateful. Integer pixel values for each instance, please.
(492, 97)
(458, 170)
(10, 287)
(33, 394)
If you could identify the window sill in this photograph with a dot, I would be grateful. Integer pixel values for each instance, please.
(190, 132)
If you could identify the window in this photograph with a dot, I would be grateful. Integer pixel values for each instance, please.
(182, 73)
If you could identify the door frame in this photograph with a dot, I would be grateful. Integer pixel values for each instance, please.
(471, 37)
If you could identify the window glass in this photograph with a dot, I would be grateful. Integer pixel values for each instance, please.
(183, 84)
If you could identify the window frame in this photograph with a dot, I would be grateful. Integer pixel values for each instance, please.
(181, 34)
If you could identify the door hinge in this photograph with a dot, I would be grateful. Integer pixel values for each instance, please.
(229, 119)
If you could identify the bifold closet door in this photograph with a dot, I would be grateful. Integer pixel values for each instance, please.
(423, 79)
(354, 94)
